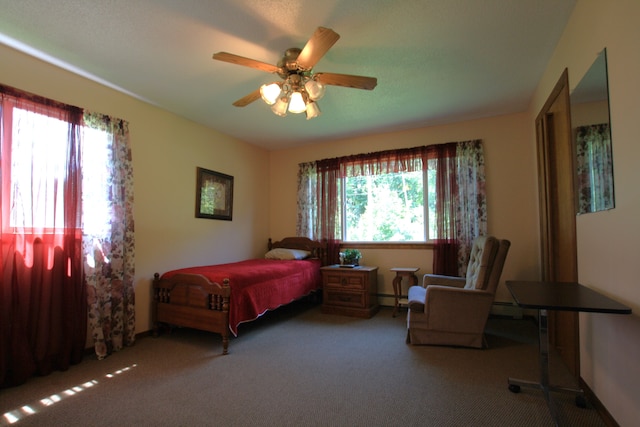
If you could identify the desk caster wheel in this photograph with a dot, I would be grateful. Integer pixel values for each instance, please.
(581, 402)
(514, 388)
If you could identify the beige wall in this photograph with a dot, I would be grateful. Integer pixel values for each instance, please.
(608, 241)
(166, 151)
(510, 173)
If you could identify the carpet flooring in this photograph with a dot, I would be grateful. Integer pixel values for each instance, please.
(299, 367)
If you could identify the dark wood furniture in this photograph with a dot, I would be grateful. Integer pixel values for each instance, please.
(195, 301)
(350, 291)
(408, 272)
(561, 296)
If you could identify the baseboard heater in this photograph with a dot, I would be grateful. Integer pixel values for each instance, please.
(506, 309)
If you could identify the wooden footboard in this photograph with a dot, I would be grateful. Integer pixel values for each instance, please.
(192, 301)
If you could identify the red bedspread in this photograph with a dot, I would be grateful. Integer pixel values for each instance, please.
(259, 285)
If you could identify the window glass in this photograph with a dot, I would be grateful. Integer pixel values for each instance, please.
(96, 156)
(385, 208)
(38, 154)
(38, 173)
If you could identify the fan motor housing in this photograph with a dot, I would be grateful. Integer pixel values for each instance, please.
(288, 64)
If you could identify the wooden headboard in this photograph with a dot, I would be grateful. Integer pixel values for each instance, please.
(317, 249)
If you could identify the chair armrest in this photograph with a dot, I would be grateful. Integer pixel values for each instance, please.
(416, 296)
(452, 309)
(436, 279)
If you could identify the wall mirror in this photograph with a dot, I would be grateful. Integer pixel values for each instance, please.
(591, 129)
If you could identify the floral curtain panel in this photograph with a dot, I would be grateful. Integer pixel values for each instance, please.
(307, 201)
(109, 266)
(594, 166)
(471, 200)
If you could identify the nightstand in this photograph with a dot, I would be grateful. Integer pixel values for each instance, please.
(350, 291)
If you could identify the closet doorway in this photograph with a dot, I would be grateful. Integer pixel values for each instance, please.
(556, 160)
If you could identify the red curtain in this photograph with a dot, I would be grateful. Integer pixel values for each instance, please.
(329, 202)
(445, 250)
(42, 294)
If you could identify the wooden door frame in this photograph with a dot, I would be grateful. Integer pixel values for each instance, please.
(556, 190)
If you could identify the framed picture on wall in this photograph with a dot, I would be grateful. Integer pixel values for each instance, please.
(214, 195)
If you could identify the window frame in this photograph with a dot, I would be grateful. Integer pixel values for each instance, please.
(425, 243)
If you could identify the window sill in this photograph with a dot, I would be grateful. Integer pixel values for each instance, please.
(386, 245)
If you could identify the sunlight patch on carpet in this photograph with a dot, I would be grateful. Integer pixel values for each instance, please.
(15, 415)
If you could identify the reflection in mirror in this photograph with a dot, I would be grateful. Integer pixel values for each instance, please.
(592, 138)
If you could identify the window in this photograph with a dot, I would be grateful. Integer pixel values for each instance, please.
(388, 207)
(96, 156)
(423, 194)
(38, 155)
(38, 170)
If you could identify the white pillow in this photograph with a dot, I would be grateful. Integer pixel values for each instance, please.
(283, 253)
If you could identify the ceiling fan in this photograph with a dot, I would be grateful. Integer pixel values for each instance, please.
(300, 87)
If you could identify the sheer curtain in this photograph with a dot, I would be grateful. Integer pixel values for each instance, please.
(43, 300)
(445, 242)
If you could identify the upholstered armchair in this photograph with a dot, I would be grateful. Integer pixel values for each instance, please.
(454, 310)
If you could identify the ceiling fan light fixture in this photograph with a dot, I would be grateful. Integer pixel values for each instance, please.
(296, 104)
(315, 89)
(313, 110)
(280, 107)
(270, 92)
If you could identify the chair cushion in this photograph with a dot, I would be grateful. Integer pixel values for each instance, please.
(482, 254)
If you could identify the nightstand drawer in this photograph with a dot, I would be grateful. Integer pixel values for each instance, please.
(345, 281)
(345, 299)
(350, 291)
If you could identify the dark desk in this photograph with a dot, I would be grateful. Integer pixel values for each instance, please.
(562, 296)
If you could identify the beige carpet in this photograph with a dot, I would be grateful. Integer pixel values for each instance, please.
(299, 367)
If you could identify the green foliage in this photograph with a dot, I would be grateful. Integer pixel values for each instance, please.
(386, 207)
(351, 256)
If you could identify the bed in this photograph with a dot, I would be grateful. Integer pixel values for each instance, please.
(218, 298)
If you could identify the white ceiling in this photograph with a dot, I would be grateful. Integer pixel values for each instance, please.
(436, 61)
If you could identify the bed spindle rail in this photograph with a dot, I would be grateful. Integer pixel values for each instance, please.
(192, 301)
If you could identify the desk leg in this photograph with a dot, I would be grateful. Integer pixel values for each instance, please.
(543, 385)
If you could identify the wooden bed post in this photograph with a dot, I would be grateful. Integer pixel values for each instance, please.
(226, 293)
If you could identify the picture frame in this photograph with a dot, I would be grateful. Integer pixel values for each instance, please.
(214, 195)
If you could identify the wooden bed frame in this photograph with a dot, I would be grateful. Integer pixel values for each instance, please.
(192, 301)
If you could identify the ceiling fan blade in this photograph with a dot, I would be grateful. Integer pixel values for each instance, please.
(248, 99)
(241, 60)
(319, 43)
(357, 82)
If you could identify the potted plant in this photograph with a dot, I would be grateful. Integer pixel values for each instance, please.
(352, 256)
